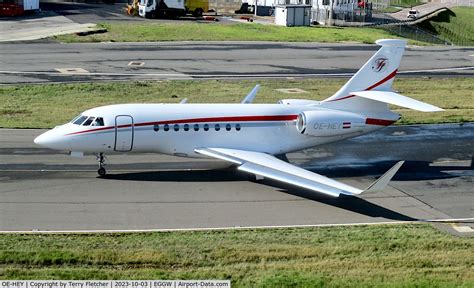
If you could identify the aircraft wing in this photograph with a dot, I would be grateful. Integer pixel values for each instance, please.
(268, 166)
(249, 98)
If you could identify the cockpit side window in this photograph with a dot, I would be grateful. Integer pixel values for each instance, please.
(79, 120)
(99, 121)
(75, 118)
(88, 121)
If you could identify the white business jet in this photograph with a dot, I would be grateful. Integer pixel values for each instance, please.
(250, 136)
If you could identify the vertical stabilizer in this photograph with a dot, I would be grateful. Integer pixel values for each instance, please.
(377, 74)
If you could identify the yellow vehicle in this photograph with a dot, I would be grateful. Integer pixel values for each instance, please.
(172, 8)
(132, 9)
(197, 7)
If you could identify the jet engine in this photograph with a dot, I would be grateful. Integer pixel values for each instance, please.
(297, 102)
(329, 123)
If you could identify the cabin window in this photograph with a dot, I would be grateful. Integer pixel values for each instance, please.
(156, 127)
(196, 127)
(227, 127)
(206, 127)
(80, 120)
(217, 127)
(176, 127)
(99, 121)
(88, 121)
(186, 127)
(237, 127)
(166, 127)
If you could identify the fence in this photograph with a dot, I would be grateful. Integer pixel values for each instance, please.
(413, 32)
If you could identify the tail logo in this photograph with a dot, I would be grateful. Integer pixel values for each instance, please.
(380, 64)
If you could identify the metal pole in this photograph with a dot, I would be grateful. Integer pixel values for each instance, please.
(330, 12)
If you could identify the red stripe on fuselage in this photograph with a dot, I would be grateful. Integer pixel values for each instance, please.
(202, 120)
(380, 122)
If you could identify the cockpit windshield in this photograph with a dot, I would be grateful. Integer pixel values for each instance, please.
(79, 119)
(88, 121)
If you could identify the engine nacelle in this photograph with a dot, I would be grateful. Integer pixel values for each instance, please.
(329, 123)
(297, 102)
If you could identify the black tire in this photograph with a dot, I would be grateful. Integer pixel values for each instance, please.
(198, 12)
(101, 172)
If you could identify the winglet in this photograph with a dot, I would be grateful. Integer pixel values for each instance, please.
(249, 98)
(382, 182)
(184, 101)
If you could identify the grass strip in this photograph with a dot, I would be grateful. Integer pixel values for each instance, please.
(455, 25)
(364, 256)
(152, 31)
(48, 105)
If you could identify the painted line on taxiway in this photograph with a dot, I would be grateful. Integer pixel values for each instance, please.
(99, 231)
(205, 76)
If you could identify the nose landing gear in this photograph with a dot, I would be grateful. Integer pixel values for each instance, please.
(101, 160)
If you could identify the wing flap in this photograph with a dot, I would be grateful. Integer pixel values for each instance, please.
(289, 178)
(397, 99)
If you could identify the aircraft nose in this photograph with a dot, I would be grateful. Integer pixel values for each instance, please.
(41, 139)
(52, 140)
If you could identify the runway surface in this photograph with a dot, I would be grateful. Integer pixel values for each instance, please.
(47, 190)
(58, 62)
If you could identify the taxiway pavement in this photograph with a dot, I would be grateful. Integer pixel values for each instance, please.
(57, 62)
(41, 189)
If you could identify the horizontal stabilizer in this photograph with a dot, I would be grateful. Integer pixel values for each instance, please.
(397, 99)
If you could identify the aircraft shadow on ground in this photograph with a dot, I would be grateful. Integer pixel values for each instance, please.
(410, 171)
(216, 175)
(349, 203)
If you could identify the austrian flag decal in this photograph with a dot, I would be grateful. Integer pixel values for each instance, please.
(346, 125)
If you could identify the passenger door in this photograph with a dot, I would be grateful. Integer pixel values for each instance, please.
(124, 131)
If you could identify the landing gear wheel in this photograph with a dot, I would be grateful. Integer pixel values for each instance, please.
(102, 171)
(101, 160)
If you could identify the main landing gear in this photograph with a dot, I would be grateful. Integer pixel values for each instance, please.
(101, 160)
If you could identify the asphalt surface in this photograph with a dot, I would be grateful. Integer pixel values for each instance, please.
(48, 190)
(57, 62)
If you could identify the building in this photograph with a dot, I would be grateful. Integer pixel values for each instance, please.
(344, 11)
